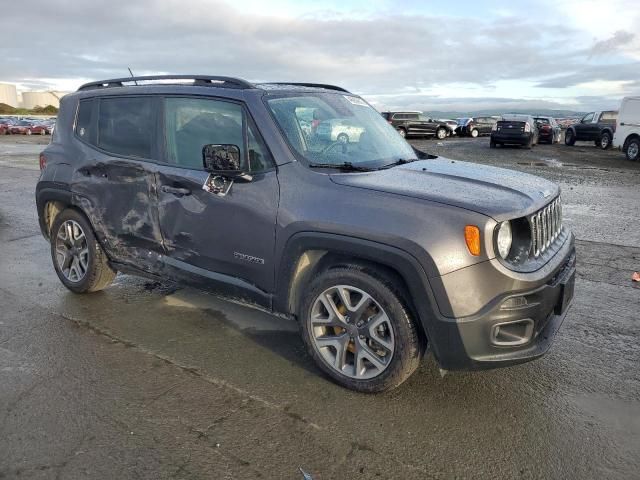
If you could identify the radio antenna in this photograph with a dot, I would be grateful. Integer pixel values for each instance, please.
(131, 73)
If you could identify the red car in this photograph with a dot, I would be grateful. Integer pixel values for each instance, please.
(5, 126)
(23, 127)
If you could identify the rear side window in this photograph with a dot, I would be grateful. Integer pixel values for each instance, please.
(125, 126)
(608, 116)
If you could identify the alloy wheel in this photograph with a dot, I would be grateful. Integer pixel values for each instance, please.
(604, 141)
(633, 150)
(351, 332)
(72, 251)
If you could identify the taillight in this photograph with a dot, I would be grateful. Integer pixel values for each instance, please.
(43, 161)
(527, 128)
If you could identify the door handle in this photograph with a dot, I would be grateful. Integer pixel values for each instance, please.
(177, 191)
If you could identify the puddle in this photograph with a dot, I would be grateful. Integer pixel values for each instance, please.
(548, 162)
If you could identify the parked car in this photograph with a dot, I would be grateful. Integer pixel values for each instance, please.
(26, 127)
(416, 123)
(597, 127)
(452, 124)
(548, 130)
(377, 249)
(514, 130)
(343, 130)
(627, 132)
(5, 127)
(475, 127)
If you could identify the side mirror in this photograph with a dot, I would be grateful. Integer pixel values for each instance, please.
(222, 159)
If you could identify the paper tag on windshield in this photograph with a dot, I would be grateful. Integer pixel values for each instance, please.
(356, 100)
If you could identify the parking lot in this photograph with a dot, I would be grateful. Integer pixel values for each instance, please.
(148, 380)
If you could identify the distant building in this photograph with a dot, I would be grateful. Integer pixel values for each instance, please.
(8, 94)
(31, 100)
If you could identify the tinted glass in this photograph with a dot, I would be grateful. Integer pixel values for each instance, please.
(543, 121)
(83, 121)
(192, 123)
(413, 116)
(125, 126)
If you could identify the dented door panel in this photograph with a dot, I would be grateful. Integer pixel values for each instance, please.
(119, 197)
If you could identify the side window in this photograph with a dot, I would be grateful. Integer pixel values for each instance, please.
(84, 128)
(413, 116)
(587, 118)
(192, 123)
(125, 126)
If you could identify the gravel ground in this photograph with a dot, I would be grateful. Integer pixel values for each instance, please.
(146, 380)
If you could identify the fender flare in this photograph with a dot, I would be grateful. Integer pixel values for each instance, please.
(403, 263)
(47, 192)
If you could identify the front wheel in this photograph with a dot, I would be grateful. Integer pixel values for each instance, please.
(28, 132)
(569, 138)
(441, 133)
(492, 143)
(402, 132)
(359, 330)
(475, 133)
(343, 138)
(78, 259)
(632, 150)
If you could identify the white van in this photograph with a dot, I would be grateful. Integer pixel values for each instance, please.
(627, 134)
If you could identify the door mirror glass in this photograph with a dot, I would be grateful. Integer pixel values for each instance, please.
(222, 159)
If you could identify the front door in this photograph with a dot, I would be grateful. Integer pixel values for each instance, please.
(583, 129)
(229, 238)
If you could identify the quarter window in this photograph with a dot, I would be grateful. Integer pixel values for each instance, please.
(125, 126)
(83, 120)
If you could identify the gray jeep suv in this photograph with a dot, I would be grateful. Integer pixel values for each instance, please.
(381, 252)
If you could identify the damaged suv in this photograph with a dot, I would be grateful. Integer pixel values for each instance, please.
(381, 252)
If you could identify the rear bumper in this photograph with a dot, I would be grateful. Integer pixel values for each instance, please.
(517, 326)
(512, 138)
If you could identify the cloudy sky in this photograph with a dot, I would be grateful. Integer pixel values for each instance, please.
(452, 55)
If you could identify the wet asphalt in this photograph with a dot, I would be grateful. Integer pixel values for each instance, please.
(148, 380)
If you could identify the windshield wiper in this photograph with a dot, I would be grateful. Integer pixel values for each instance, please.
(400, 161)
(345, 166)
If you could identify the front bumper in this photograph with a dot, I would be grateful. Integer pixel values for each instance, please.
(516, 326)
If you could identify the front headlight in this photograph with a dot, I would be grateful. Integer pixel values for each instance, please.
(504, 239)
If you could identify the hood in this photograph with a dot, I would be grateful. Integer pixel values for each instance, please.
(496, 192)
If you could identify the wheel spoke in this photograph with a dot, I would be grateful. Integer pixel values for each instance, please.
(364, 352)
(339, 344)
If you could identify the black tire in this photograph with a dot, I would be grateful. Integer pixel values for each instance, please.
(408, 348)
(475, 133)
(98, 274)
(343, 138)
(604, 141)
(569, 138)
(402, 132)
(492, 143)
(529, 144)
(632, 149)
(441, 133)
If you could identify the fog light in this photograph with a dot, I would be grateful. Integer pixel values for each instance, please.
(510, 334)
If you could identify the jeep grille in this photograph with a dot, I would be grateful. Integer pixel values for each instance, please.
(546, 225)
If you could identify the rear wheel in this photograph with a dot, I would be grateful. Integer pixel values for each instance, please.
(78, 259)
(569, 138)
(632, 149)
(402, 132)
(357, 327)
(475, 133)
(604, 141)
(343, 138)
(492, 143)
(28, 132)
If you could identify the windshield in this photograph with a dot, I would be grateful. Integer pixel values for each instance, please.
(328, 128)
(543, 121)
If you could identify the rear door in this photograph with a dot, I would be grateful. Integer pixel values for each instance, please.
(116, 185)
(228, 237)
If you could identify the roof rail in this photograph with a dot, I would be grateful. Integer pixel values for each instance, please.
(313, 85)
(198, 80)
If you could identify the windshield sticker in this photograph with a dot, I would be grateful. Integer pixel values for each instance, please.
(356, 100)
